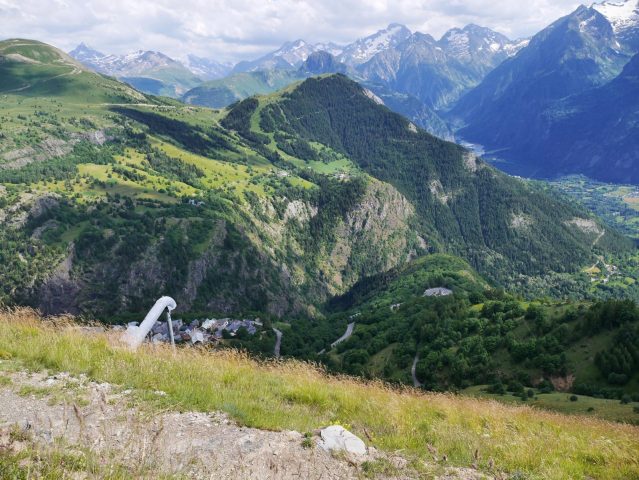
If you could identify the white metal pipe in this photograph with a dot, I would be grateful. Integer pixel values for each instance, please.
(170, 324)
(134, 336)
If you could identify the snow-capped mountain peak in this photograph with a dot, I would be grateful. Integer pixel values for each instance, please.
(129, 64)
(295, 52)
(622, 14)
(473, 41)
(515, 46)
(365, 48)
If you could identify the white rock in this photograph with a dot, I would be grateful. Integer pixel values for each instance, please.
(338, 438)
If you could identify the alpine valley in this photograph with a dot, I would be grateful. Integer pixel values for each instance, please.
(319, 188)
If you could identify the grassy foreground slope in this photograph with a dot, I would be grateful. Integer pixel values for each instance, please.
(521, 441)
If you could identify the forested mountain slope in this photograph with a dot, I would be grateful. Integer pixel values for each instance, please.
(94, 206)
(501, 225)
(595, 133)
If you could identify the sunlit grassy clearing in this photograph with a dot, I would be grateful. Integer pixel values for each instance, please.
(294, 395)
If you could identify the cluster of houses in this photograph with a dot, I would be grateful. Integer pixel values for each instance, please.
(205, 331)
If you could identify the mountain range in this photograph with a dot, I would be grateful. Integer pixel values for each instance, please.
(479, 87)
(566, 103)
(434, 72)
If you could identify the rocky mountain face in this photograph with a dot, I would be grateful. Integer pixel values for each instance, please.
(446, 184)
(515, 109)
(255, 279)
(321, 62)
(364, 49)
(87, 56)
(623, 15)
(438, 72)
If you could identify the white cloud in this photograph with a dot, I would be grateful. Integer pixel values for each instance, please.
(239, 29)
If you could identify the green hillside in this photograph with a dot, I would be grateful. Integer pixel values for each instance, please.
(276, 205)
(33, 69)
(170, 81)
(95, 200)
(478, 340)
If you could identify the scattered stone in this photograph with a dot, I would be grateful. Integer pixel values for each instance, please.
(337, 438)
(159, 338)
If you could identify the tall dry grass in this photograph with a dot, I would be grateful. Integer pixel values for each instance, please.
(300, 396)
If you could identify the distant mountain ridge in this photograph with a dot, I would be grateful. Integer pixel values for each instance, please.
(435, 71)
(413, 73)
(289, 56)
(149, 71)
(595, 133)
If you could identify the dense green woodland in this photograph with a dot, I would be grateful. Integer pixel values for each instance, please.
(477, 336)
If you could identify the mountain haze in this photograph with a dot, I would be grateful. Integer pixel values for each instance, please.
(526, 111)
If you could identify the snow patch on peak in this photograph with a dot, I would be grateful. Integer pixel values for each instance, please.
(513, 48)
(585, 25)
(621, 14)
(365, 48)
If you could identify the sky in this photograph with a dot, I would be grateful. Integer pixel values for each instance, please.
(245, 29)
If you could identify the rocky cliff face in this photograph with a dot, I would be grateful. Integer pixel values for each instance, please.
(374, 237)
(263, 261)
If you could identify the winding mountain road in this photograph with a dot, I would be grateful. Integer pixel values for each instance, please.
(278, 342)
(413, 372)
(346, 336)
